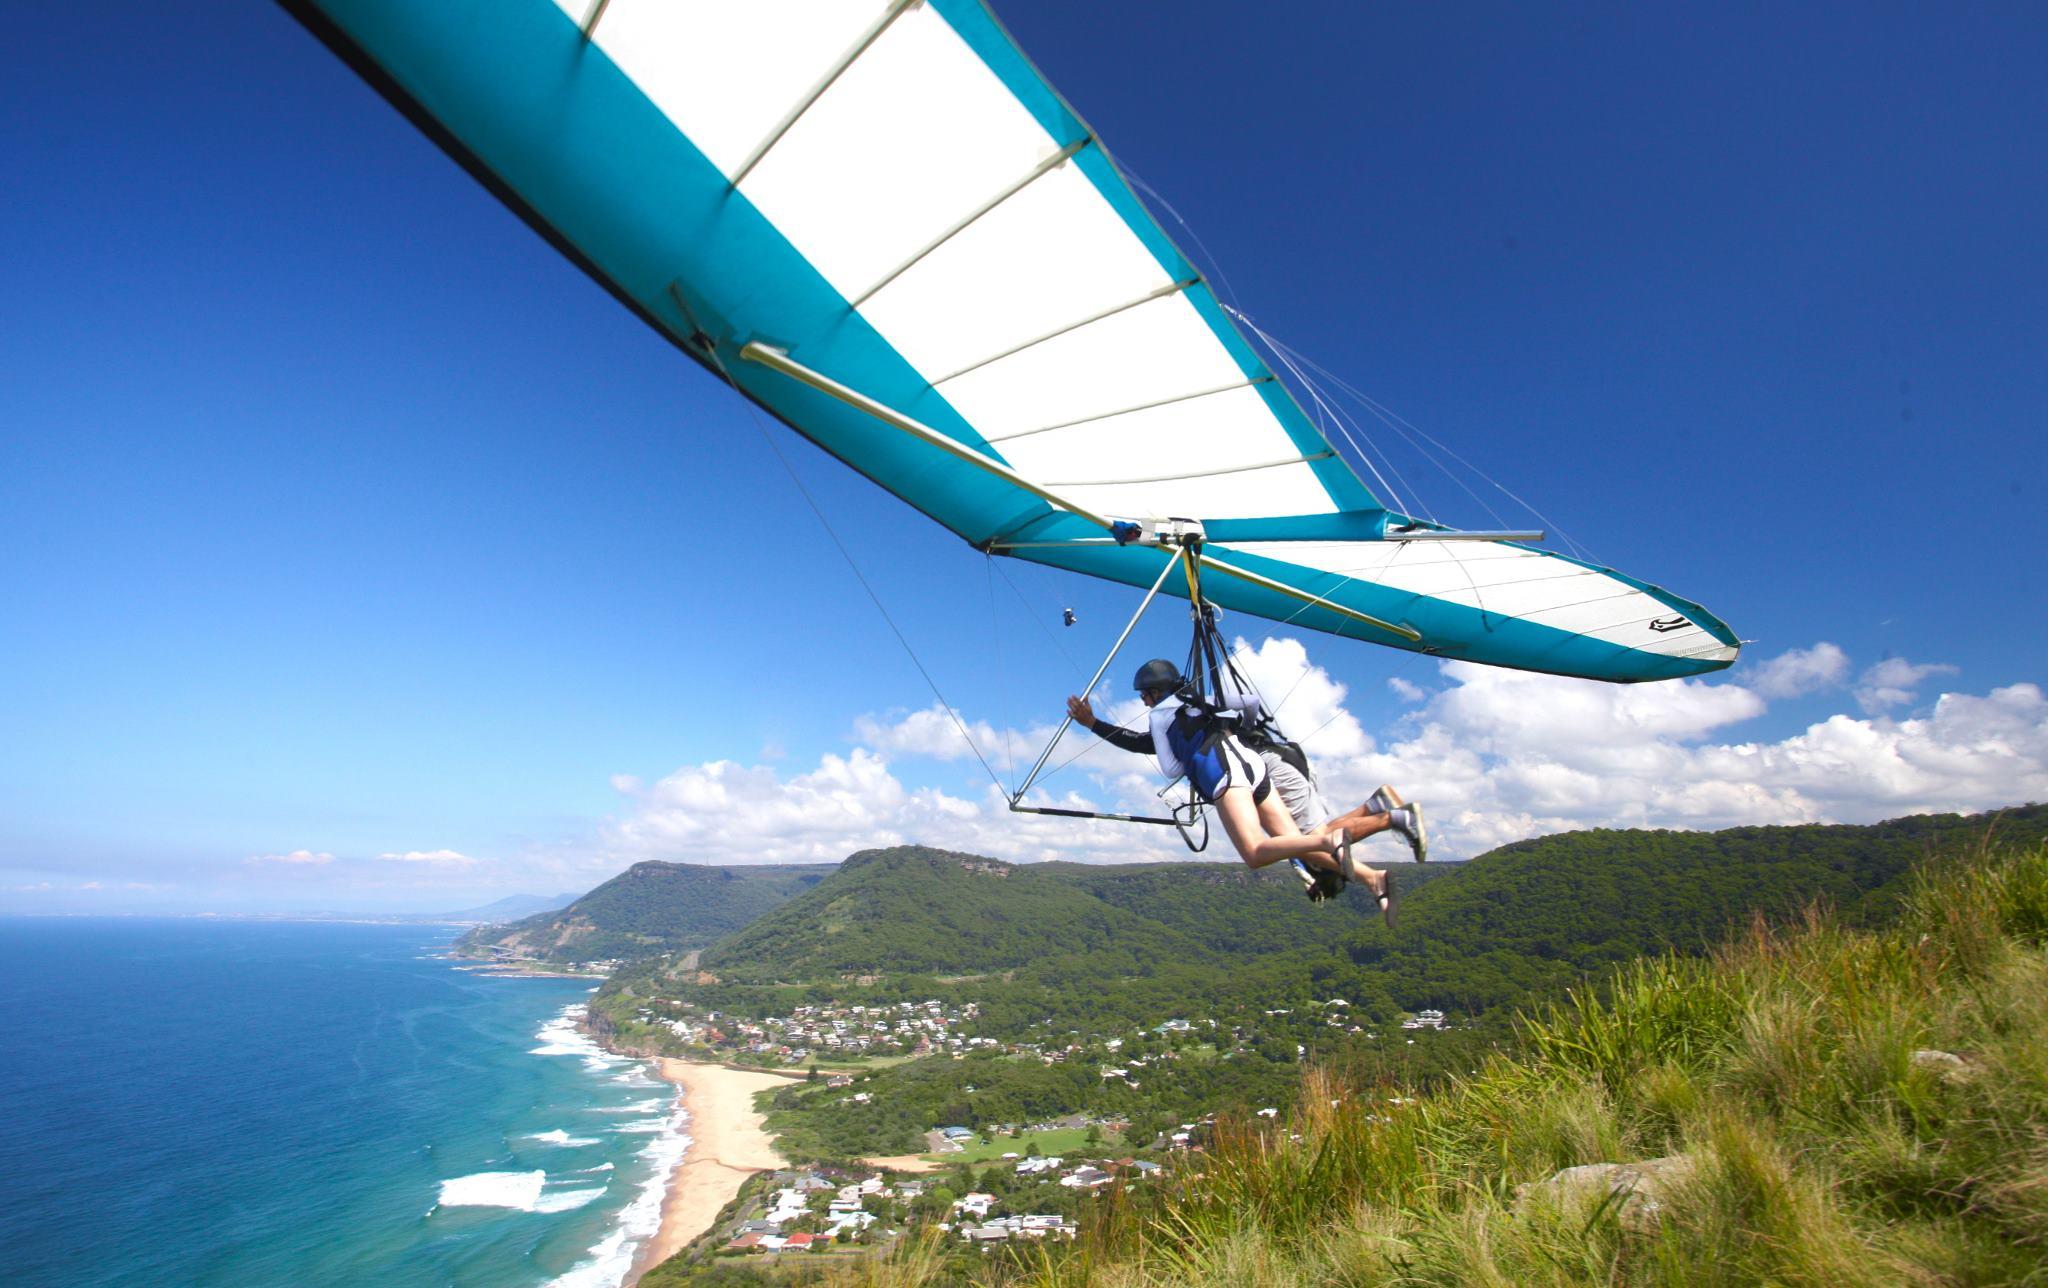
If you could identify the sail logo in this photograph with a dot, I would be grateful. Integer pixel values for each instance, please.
(1663, 624)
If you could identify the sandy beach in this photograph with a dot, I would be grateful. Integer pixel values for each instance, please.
(727, 1145)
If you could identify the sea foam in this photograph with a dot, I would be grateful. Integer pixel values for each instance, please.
(561, 1138)
(611, 1258)
(494, 1189)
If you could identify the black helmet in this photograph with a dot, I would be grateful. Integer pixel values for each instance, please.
(1157, 674)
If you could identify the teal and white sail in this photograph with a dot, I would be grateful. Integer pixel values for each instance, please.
(873, 214)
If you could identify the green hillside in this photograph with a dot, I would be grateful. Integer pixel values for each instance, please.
(1815, 1105)
(914, 910)
(1540, 913)
(1530, 916)
(649, 909)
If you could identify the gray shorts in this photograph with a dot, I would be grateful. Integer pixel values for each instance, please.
(1297, 793)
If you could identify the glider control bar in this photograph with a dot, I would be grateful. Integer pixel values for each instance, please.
(1083, 813)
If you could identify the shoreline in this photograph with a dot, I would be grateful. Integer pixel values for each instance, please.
(728, 1144)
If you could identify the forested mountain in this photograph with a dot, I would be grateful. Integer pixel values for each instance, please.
(650, 908)
(1080, 944)
(914, 910)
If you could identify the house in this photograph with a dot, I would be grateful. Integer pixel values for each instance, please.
(975, 1205)
(1085, 1177)
(745, 1243)
(801, 1242)
(850, 1223)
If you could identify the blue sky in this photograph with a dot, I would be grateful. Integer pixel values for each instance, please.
(343, 518)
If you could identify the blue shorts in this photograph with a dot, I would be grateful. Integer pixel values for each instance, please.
(1227, 764)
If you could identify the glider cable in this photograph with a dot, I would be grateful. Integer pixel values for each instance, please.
(709, 348)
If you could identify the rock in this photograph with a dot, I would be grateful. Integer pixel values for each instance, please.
(1642, 1190)
(1946, 1065)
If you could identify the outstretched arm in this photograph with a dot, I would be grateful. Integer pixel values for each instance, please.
(1115, 735)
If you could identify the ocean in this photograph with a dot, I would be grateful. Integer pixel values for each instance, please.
(304, 1103)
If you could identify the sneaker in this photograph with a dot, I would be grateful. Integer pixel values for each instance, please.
(1407, 820)
(1384, 801)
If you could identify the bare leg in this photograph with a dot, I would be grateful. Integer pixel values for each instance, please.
(1251, 830)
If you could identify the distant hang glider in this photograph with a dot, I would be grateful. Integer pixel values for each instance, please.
(880, 223)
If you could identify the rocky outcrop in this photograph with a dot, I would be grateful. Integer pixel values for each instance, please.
(1641, 1192)
(1946, 1065)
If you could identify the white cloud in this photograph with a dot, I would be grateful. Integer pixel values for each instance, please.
(724, 812)
(1302, 698)
(298, 858)
(931, 733)
(1503, 755)
(1894, 682)
(447, 857)
(1799, 672)
(1404, 690)
(1495, 756)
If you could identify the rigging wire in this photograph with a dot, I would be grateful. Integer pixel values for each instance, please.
(876, 599)
(1406, 429)
(761, 424)
(995, 629)
(1403, 426)
(1343, 422)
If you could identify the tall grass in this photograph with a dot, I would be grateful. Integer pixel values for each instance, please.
(1789, 1067)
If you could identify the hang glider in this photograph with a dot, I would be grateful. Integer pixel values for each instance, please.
(881, 224)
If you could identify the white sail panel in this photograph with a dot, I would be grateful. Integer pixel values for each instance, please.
(915, 136)
(1159, 350)
(1247, 495)
(1051, 256)
(726, 73)
(1223, 435)
(1525, 585)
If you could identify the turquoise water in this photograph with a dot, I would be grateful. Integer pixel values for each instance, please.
(199, 1102)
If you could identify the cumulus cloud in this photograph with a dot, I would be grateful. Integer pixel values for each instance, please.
(1894, 682)
(1503, 755)
(297, 858)
(1404, 690)
(931, 733)
(1798, 672)
(725, 812)
(1495, 755)
(447, 857)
